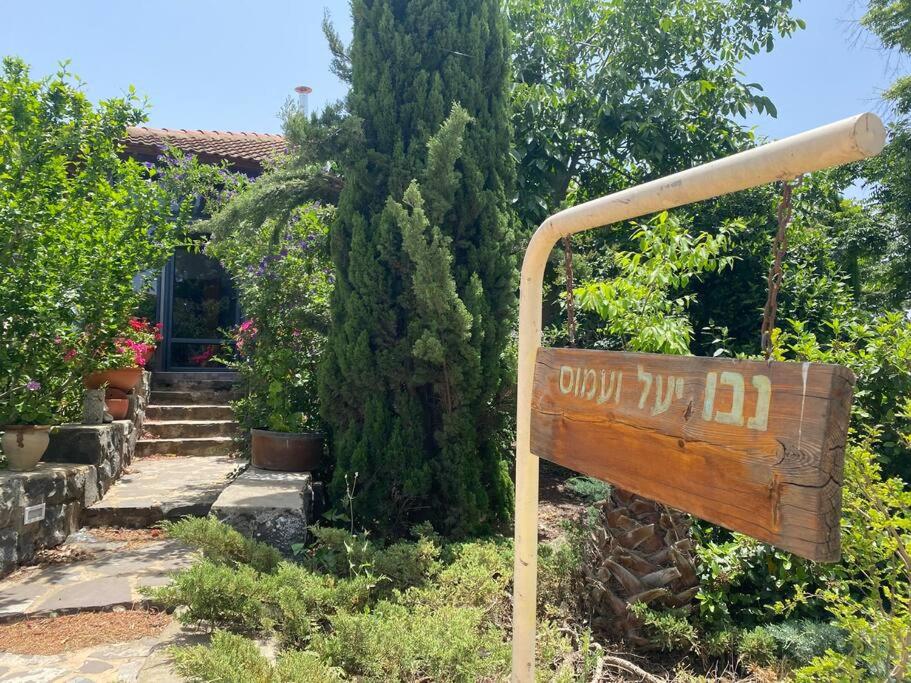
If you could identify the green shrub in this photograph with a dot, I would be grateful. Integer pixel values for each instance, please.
(394, 642)
(295, 666)
(223, 544)
(869, 595)
(339, 552)
(476, 574)
(297, 598)
(281, 271)
(558, 579)
(235, 659)
(405, 564)
(228, 659)
(742, 579)
(77, 223)
(794, 642)
(217, 595)
(758, 647)
(667, 630)
(588, 488)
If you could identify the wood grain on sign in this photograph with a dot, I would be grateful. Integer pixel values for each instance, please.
(752, 446)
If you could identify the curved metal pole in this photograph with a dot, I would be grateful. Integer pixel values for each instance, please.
(851, 139)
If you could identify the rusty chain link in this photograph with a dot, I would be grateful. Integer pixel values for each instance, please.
(779, 249)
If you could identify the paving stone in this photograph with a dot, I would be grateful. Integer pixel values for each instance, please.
(41, 675)
(112, 576)
(94, 666)
(94, 593)
(145, 659)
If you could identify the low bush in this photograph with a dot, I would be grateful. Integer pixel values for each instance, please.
(588, 488)
(794, 642)
(415, 610)
(234, 659)
(222, 544)
(398, 642)
(216, 595)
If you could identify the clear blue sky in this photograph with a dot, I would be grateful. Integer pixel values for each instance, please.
(229, 65)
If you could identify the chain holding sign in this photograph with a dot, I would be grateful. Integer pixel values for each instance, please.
(756, 447)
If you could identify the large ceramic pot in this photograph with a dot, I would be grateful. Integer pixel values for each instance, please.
(120, 378)
(286, 452)
(23, 445)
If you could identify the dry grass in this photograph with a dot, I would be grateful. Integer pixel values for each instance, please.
(55, 635)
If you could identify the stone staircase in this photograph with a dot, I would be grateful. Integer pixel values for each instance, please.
(184, 458)
(188, 415)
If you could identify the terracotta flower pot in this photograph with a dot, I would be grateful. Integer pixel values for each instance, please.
(120, 378)
(117, 407)
(23, 445)
(286, 452)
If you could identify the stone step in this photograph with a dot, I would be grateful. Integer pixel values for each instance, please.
(155, 489)
(274, 507)
(188, 429)
(187, 397)
(208, 446)
(169, 377)
(193, 384)
(201, 411)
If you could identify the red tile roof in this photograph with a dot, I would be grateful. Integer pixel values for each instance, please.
(246, 151)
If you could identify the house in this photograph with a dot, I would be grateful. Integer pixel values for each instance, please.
(193, 296)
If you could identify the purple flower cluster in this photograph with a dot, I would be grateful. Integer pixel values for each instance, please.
(33, 385)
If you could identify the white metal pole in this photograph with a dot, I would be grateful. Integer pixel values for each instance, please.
(851, 139)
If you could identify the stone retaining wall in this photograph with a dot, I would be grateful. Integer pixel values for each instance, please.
(79, 466)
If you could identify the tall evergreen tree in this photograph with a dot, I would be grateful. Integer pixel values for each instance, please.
(413, 379)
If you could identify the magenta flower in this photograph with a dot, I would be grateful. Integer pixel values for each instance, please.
(33, 385)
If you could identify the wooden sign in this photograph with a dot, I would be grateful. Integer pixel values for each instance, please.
(752, 446)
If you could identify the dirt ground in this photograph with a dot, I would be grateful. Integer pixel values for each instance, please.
(55, 635)
(557, 504)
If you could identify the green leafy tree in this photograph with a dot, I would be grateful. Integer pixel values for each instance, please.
(613, 92)
(77, 224)
(413, 377)
(890, 172)
(644, 306)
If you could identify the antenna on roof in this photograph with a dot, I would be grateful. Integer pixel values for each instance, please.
(303, 93)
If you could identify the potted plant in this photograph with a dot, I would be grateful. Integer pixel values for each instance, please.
(119, 364)
(25, 416)
(284, 281)
(279, 404)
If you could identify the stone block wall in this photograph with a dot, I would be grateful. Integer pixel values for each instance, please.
(64, 489)
(79, 466)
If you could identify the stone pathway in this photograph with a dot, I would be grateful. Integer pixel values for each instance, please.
(112, 574)
(136, 661)
(153, 489)
(109, 577)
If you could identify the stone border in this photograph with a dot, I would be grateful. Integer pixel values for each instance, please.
(79, 466)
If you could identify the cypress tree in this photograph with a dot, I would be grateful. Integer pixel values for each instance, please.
(413, 378)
